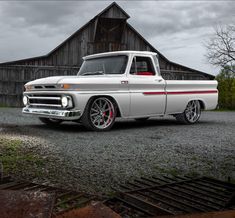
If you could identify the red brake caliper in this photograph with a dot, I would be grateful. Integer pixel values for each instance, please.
(103, 116)
(111, 115)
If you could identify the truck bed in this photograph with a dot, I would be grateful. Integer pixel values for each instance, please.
(184, 75)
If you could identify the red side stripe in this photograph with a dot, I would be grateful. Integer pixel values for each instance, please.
(193, 92)
(181, 92)
(154, 93)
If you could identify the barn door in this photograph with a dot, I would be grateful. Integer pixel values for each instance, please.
(109, 30)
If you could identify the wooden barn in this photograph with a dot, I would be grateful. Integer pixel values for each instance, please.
(107, 31)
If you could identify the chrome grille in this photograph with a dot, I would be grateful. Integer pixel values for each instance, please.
(45, 101)
(44, 87)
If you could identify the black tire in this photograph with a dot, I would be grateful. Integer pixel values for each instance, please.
(95, 112)
(50, 122)
(191, 114)
(142, 119)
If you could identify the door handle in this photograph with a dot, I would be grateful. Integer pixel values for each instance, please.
(124, 82)
(159, 80)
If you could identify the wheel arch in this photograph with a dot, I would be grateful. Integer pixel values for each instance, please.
(111, 98)
(201, 101)
(202, 104)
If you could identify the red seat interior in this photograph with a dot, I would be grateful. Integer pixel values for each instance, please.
(145, 73)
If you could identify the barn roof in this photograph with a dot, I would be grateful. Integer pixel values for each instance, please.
(107, 13)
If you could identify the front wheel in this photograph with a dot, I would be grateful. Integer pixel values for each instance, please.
(100, 114)
(191, 114)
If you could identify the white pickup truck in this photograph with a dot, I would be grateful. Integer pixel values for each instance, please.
(125, 84)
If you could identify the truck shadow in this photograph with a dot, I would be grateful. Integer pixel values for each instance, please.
(39, 129)
(150, 123)
(118, 126)
(132, 124)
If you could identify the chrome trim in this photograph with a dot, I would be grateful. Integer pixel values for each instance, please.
(45, 105)
(44, 97)
(53, 113)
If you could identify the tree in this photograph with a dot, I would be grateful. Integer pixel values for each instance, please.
(226, 87)
(221, 47)
(221, 52)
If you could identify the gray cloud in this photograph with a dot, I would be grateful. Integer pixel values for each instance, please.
(31, 28)
(161, 18)
(38, 12)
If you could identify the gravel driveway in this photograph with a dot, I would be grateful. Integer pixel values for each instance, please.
(96, 161)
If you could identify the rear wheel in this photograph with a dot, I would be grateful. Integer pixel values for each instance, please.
(191, 114)
(50, 122)
(100, 114)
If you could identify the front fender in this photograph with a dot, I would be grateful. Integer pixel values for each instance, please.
(122, 100)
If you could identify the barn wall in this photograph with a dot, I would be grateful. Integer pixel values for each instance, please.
(13, 78)
(72, 51)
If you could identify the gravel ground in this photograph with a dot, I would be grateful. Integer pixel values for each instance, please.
(95, 161)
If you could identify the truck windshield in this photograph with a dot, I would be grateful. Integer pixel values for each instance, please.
(104, 65)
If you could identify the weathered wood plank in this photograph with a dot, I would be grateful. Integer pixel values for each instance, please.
(13, 78)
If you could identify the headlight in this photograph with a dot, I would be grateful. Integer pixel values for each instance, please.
(25, 100)
(64, 101)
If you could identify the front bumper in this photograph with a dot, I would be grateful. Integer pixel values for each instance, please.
(53, 113)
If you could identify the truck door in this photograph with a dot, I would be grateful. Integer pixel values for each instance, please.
(146, 87)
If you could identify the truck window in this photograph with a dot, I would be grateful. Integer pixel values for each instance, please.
(142, 66)
(104, 65)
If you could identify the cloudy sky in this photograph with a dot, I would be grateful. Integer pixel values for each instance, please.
(177, 29)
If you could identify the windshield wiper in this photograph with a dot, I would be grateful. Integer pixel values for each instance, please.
(93, 73)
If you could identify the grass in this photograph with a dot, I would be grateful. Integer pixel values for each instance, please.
(2, 105)
(15, 158)
(30, 163)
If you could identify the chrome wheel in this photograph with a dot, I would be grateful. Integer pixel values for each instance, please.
(102, 113)
(191, 114)
(193, 111)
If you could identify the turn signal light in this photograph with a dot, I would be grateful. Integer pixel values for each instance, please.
(66, 86)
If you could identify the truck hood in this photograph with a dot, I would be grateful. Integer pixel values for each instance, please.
(97, 82)
(53, 80)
